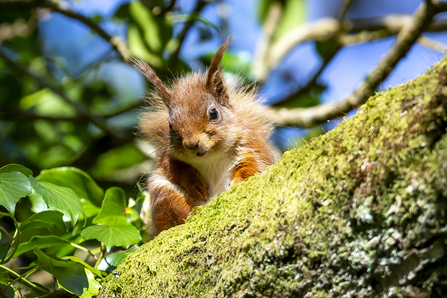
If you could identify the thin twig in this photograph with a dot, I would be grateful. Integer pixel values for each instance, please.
(433, 44)
(23, 280)
(319, 114)
(80, 108)
(343, 10)
(19, 28)
(324, 28)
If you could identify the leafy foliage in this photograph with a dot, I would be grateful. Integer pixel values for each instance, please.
(58, 232)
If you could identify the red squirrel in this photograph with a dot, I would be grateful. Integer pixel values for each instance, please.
(209, 135)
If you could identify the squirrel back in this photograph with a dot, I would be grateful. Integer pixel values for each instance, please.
(209, 135)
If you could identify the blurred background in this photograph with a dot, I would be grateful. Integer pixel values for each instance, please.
(68, 98)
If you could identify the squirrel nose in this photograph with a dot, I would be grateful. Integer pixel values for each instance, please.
(191, 143)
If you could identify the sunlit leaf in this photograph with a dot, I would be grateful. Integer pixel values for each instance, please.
(146, 21)
(148, 34)
(79, 181)
(46, 103)
(13, 186)
(70, 275)
(138, 47)
(93, 286)
(113, 209)
(293, 15)
(113, 236)
(59, 198)
(18, 168)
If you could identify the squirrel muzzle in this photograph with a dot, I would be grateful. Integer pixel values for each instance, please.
(195, 146)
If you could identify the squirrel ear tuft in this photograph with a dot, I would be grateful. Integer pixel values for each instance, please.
(149, 73)
(215, 81)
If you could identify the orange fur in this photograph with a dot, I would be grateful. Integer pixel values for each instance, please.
(210, 135)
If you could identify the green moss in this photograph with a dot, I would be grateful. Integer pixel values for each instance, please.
(360, 210)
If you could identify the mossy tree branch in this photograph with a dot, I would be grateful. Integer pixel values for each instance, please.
(357, 212)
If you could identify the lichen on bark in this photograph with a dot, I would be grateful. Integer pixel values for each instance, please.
(357, 212)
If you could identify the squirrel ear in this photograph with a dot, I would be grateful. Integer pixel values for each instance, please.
(149, 73)
(215, 81)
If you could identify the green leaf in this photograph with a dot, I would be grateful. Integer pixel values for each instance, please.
(79, 181)
(116, 159)
(93, 286)
(98, 272)
(18, 168)
(37, 291)
(45, 219)
(122, 13)
(13, 186)
(113, 209)
(150, 25)
(263, 7)
(40, 242)
(148, 34)
(112, 261)
(326, 48)
(4, 248)
(62, 251)
(4, 276)
(293, 15)
(70, 275)
(113, 236)
(138, 47)
(59, 198)
(8, 290)
(46, 103)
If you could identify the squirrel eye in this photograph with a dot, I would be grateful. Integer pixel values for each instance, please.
(214, 114)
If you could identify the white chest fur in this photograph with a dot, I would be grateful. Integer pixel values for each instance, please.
(217, 171)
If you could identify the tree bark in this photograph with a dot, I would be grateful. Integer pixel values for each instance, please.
(357, 212)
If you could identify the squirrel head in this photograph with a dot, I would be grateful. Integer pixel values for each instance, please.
(200, 120)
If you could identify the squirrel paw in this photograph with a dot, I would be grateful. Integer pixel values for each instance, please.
(199, 189)
(195, 186)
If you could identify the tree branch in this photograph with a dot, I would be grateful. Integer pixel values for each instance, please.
(18, 28)
(327, 27)
(343, 9)
(433, 44)
(319, 114)
(80, 108)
